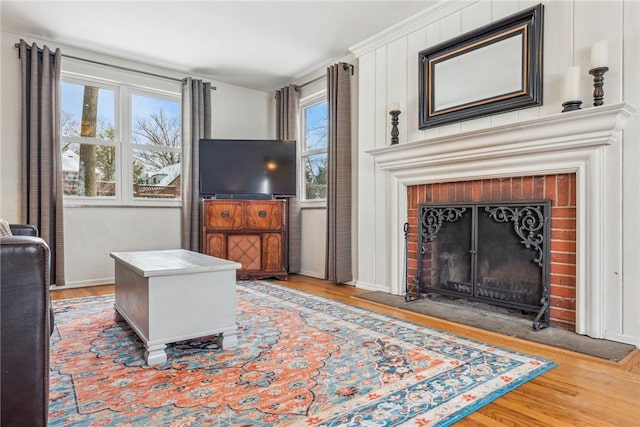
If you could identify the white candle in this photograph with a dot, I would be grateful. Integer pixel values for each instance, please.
(394, 107)
(572, 84)
(599, 54)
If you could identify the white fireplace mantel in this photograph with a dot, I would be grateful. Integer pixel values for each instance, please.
(585, 142)
(559, 132)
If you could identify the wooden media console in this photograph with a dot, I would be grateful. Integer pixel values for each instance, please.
(251, 232)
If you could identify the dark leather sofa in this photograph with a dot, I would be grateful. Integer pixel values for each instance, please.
(26, 323)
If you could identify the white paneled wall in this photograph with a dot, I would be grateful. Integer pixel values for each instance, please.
(569, 34)
(388, 73)
(366, 221)
(629, 322)
(415, 42)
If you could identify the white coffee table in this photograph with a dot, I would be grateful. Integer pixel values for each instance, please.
(175, 295)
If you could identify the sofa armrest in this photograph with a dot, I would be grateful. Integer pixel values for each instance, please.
(24, 230)
(25, 319)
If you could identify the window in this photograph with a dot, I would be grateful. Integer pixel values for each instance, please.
(88, 130)
(313, 151)
(155, 139)
(120, 143)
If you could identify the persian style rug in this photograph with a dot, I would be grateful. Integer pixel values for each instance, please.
(302, 360)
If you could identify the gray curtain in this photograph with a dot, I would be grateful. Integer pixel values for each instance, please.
(196, 124)
(41, 181)
(287, 113)
(338, 259)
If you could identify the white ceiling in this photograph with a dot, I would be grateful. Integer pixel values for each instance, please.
(257, 44)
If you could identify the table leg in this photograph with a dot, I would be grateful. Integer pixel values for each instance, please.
(155, 354)
(228, 340)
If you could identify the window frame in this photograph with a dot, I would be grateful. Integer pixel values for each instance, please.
(145, 92)
(122, 142)
(306, 102)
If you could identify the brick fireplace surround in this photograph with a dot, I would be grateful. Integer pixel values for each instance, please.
(581, 149)
(559, 188)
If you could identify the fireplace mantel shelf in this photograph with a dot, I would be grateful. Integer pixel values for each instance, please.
(559, 132)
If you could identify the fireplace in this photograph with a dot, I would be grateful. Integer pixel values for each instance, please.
(507, 242)
(493, 253)
(499, 163)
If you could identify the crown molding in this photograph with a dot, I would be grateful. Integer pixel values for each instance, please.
(420, 20)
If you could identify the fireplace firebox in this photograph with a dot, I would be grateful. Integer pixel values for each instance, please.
(495, 253)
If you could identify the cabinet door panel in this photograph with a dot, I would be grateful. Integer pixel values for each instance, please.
(223, 215)
(245, 249)
(267, 215)
(272, 252)
(215, 245)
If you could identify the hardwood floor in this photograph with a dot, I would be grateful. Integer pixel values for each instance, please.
(581, 391)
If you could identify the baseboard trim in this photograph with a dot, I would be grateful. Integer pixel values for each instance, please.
(313, 274)
(84, 284)
(370, 286)
(623, 338)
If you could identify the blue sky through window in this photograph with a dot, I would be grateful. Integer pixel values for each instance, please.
(316, 120)
(143, 107)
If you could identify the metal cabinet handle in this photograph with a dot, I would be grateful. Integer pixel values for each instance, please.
(262, 214)
(224, 214)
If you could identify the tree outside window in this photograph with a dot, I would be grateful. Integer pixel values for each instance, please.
(89, 140)
(155, 137)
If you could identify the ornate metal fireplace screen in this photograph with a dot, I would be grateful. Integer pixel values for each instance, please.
(493, 253)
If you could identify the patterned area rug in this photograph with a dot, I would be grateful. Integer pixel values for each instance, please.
(301, 360)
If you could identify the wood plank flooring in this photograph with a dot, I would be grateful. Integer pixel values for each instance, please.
(581, 391)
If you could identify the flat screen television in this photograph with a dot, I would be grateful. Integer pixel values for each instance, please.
(247, 168)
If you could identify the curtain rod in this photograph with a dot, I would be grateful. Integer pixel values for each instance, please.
(310, 81)
(118, 67)
(344, 65)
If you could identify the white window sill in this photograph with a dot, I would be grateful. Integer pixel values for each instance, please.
(102, 203)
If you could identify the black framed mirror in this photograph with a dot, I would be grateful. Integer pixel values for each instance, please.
(493, 69)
